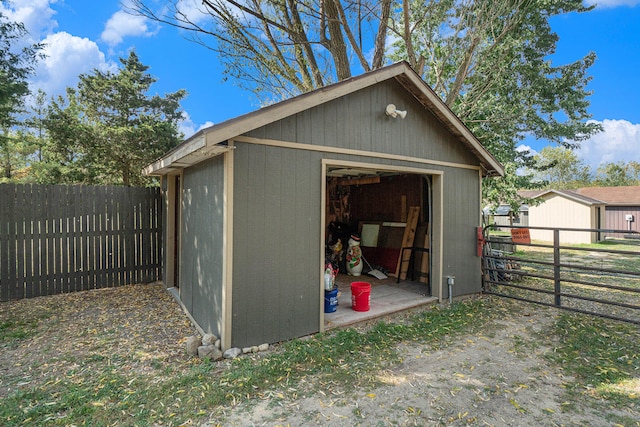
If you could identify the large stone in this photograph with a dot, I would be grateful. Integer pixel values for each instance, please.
(193, 343)
(263, 347)
(209, 352)
(232, 353)
(209, 339)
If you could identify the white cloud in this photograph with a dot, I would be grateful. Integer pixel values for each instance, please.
(192, 10)
(522, 147)
(619, 142)
(123, 24)
(67, 57)
(188, 127)
(612, 3)
(35, 15)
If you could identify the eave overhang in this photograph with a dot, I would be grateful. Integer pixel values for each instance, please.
(212, 141)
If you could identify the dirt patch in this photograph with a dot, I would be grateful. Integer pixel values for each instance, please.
(137, 328)
(496, 378)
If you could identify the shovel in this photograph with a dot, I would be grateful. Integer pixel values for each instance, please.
(373, 272)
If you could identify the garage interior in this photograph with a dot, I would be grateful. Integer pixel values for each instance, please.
(390, 213)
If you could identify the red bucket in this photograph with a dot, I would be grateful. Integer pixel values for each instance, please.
(360, 296)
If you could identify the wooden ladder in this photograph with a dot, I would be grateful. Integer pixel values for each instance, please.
(407, 242)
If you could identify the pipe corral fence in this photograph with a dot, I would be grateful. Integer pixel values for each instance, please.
(601, 278)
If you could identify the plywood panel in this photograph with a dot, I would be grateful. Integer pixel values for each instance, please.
(384, 201)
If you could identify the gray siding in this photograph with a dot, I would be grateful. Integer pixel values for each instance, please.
(359, 122)
(201, 259)
(277, 211)
(461, 216)
(276, 239)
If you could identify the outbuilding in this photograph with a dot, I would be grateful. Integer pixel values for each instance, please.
(607, 208)
(621, 210)
(252, 204)
(564, 209)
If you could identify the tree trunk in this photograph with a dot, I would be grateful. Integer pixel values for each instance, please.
(381, 37)
(335, 43)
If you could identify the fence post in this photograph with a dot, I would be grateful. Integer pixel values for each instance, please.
(556, 266)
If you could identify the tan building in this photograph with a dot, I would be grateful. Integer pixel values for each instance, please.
(605, 208)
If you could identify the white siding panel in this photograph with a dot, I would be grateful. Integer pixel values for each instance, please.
(560, 212)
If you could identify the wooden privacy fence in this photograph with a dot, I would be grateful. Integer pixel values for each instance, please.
(66, 238)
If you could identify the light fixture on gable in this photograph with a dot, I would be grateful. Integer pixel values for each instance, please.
(391, 111)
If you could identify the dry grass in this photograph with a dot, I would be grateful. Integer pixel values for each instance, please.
(116, 357)
(65, 357)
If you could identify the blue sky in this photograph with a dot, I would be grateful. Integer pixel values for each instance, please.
(82, 35)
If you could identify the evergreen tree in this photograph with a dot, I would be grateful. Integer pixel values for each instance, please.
(107, 129)
(17, 62)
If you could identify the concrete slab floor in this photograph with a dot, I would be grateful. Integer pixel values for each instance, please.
(387, 297)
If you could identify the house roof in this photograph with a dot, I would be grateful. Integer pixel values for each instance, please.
(629, 195)
(569, 194)
(211, 141)
(503, 210)
(613, 196)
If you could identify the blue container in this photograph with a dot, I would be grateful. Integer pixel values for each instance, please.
(330, 300)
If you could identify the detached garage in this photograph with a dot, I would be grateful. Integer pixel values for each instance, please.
(253, 203)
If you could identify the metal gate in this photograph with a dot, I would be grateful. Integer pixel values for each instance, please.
(600, 278)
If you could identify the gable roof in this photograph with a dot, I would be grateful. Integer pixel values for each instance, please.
(211, 141)
(503, 210)
(613, 196)
(627, 195)
(569, 194)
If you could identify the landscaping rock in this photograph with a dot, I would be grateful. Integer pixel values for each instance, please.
(263, 347)
(209, 339)
(246, 350)
(232, 353)
(209, 352)
(254, 349)
(193, 342)
(218, 344)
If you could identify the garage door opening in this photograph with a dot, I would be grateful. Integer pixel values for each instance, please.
(390, 213)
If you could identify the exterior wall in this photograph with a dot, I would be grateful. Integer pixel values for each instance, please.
(277, 230)
(276, 237)
(462, 209)
(560, 212)
(615, 219)
(201, 257)
(169, 254)
(166, 198)
(359, 122)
